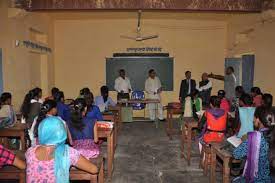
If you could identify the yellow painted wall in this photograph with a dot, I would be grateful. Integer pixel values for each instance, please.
(82, 43)
(18, 63)
(261, 42)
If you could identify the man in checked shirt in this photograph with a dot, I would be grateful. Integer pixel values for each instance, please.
(9, 158)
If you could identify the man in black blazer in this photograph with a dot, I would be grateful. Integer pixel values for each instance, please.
(187, 87)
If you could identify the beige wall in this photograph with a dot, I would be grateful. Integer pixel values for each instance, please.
(19, 64)
(81, 46)
(261, 42)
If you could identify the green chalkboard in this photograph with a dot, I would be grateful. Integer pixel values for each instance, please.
(137, 70)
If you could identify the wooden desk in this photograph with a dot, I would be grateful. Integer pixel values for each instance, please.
(186, 137)
(117, 112)
(225, 156)
(109, 134)
(169, 128)
(18, 130)
(111, 117)
(144, 101)
(76, 174)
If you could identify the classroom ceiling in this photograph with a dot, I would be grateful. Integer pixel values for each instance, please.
(179, 5)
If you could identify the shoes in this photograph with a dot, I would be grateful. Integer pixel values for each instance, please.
(162, 120)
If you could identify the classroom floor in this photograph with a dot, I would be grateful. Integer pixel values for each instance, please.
(146, 155)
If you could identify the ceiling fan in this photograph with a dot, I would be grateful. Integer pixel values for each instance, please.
(138, 31)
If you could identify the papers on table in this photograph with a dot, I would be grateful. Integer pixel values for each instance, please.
(105, 124)
(234, 140)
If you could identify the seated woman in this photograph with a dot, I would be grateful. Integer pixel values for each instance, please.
(63, 110)
(197, 104)
(83, 130)
(54, 90)
(256, 149)
(239, 91)
(257, 96)
(83, 92)
(215, 122)
(48, 108)
(50, 161)
(93, 112)
(267, 100)
(31, 106)
(245, 115)
(225, 104)
(104, 101)
(7, 114)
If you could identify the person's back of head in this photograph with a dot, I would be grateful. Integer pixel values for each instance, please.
(104, 90)
(221, 94)
(52, 132)
(78, 111)
(255, 91)
(84, 91)
(246, 100)
(267, 100)
(32, 94)
(59, 96)
(54, 91)
(49, 106)
(89, 99)
(215, 101)
(5, 99)
(239, 90)
(266, 117)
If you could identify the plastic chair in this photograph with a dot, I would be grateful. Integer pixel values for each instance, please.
(138, 95)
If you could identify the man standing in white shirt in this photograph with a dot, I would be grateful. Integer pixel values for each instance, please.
(123, 86)
(153, 89)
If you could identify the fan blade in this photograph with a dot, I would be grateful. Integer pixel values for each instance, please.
(128, 37)
(148, 37)
(139, 20)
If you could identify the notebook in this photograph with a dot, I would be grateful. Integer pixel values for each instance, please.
(234, 140)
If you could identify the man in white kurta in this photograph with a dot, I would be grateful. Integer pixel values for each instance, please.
(153, 90)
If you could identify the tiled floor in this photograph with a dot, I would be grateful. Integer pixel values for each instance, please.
(145, 155)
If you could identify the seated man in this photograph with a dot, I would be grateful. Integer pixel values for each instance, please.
(104, 101)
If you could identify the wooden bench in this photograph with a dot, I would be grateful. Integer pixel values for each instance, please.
(112, 118)
(169, 128)
(186, 137)
(13, 173)
(225, 156)
(18, 130)
(117, 112)
(205, 159)
(76, 174)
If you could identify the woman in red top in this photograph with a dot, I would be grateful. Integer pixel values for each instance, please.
(224, 103)
(257, 96)
(215, 122)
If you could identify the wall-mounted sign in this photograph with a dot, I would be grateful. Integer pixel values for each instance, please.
(144, 49)
(34, 46)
